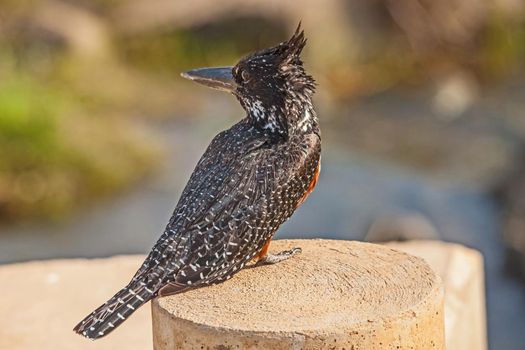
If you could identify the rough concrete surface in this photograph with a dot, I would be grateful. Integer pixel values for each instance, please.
(41, 302)
(336, 294)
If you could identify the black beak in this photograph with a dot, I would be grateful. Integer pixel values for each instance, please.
(219, 78)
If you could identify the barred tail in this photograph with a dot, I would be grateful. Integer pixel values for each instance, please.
(115, 311)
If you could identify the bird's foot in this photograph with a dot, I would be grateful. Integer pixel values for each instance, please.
(270, 259)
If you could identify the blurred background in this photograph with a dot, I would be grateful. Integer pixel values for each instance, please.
(422, 108)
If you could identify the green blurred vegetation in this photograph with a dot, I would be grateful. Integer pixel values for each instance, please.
(54, 155)
(502, 47)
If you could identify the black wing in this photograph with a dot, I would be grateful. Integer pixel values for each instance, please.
(227, 211)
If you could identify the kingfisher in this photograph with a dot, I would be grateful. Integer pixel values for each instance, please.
(250, 180)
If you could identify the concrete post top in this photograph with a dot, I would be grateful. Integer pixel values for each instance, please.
(334, 291)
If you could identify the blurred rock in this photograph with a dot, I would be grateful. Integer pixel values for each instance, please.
(455, 93)
(84, 33)
(401, 227)
(429, 24)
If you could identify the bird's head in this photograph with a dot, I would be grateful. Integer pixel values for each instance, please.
(271, 85)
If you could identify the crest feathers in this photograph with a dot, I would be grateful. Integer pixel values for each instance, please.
(296, 43)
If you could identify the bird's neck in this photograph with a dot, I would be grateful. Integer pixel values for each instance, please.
(293, 118)
(306, 120)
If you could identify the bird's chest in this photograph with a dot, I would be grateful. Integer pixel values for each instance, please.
(301, 167)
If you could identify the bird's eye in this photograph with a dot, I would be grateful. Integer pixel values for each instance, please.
(245, 76)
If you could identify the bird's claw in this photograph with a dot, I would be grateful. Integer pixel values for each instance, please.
(270, 259)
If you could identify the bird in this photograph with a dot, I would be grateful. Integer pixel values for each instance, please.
(250, 180)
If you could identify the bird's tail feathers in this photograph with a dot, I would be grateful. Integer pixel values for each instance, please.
(115, 311)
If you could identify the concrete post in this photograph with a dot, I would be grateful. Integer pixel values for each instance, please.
(335, 295)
